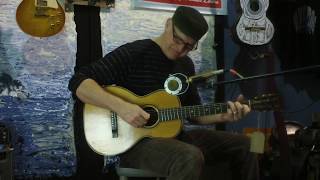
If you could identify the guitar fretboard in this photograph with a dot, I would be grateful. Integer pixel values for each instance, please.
(191, 111)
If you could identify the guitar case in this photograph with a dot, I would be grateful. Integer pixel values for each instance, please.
(253, 34)
(255, 56)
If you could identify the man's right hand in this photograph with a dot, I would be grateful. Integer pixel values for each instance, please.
(89, 91)
(134, 115)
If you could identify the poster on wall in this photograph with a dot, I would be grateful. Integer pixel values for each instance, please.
(207, 7)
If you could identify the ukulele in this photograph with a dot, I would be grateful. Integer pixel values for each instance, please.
(253, 27)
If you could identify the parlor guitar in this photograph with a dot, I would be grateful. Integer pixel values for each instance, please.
(107, 134)
(40, 18)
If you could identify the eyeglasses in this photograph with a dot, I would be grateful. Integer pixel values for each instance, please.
(180, 41)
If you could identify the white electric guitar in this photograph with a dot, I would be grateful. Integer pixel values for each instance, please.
(254, 28)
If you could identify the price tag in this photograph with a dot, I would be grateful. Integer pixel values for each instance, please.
(257, 140)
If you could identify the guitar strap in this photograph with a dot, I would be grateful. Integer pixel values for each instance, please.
(285, 156)
(88, 27)
(285, 160)
(253, 60)
(89, 48)
(254, 28)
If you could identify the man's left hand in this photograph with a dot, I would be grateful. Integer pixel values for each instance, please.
(236, 110)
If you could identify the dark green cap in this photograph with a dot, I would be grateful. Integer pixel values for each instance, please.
(190, 22)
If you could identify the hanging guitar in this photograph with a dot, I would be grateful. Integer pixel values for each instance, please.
(40, 18)
(107, 134)
(254, 28)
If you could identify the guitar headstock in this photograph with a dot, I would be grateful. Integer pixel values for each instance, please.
(266, 102)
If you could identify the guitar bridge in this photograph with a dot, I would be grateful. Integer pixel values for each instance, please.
(256, 29)
(114, 125)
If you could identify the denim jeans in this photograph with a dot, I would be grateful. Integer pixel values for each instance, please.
(184, 157)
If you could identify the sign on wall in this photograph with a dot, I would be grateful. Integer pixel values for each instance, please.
(209, 7)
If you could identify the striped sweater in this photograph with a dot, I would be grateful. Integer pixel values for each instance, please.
(140, 67)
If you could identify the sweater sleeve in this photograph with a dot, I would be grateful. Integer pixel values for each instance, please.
(111, 69)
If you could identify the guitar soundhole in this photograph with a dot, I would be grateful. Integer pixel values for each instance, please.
(254, 5)
(153, 116)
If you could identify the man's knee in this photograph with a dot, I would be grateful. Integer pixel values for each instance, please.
(191, 158)
(244, 142)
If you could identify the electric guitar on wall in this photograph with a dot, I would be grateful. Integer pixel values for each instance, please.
(40, 18)
(254, 28)
(107, 134)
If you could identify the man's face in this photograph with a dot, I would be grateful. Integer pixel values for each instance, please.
(178, 44)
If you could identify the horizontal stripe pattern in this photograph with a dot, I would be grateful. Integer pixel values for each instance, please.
(139, 66)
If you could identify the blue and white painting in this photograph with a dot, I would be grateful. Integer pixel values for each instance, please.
(35, 103)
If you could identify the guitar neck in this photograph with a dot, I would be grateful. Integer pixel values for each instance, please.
(192, 111)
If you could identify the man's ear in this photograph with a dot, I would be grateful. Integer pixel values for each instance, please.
(168, 24)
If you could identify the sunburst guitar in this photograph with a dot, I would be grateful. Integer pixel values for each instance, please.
(107, 134)
(40, 18)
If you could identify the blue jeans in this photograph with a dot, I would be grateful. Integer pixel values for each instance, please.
(184, 157)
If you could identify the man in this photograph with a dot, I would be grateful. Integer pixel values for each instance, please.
(142, 67)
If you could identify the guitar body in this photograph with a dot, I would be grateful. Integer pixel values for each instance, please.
(98, 124)
(39, 21)
(108, 134)
(254, 28)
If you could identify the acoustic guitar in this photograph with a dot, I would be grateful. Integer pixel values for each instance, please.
(253, 27)
(40, 18)
(107, 134)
